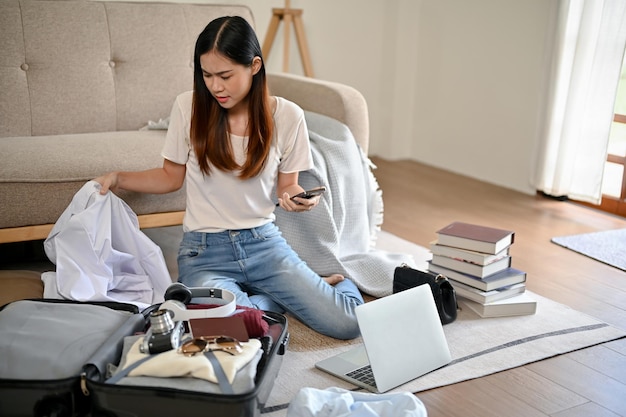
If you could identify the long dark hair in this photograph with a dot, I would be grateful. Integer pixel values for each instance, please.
(234, 38)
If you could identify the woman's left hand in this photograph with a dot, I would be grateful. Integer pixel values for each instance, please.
(298, 204)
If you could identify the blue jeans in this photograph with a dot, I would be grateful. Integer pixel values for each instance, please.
(263, 271)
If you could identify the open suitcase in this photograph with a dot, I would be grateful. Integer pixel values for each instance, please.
(44, 382)
(126, 401)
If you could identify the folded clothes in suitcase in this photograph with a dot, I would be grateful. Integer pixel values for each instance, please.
(49, 346)
(152, 394)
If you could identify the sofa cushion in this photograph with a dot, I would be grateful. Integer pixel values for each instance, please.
(95, 66)
(40, 175)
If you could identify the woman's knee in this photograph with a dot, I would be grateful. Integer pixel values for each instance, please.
(346, 329)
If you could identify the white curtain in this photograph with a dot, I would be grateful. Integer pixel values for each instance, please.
(585, 71)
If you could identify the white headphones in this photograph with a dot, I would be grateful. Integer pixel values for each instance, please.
(177, 296)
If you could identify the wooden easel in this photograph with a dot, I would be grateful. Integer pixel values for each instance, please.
(289, 16)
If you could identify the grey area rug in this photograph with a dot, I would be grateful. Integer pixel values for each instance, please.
(608, 246)
(479, 347)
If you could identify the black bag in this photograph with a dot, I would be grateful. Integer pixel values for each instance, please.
(405, 277)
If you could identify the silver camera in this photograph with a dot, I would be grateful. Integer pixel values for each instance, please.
(164, 334)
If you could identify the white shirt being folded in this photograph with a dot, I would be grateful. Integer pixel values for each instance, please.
(101, 254)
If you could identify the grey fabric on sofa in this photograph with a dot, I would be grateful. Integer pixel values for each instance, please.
(79, 79)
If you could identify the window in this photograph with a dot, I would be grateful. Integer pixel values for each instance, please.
(614, 180)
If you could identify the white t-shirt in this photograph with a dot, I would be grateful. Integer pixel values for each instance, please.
(222, 201)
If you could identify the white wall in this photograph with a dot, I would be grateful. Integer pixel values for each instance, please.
(481, 73)
(458, 84)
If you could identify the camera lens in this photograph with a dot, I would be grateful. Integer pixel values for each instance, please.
(161, 321)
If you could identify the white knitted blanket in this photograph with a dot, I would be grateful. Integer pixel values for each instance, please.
(338, 236)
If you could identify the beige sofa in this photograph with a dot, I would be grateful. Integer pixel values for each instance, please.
(78, 82)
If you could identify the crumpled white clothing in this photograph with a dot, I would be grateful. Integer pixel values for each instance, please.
(101, 254)
(337, 402)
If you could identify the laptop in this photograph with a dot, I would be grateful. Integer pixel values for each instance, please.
(402, 340)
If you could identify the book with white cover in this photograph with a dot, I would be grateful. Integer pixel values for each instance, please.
(519, 305)
(483, 297)
(480, 271)
(479, 258)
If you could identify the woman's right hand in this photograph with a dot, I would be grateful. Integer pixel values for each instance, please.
(108, 182)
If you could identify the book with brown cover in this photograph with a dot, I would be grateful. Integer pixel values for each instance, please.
(475, 237)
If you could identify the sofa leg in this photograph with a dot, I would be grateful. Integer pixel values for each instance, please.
(41, 231)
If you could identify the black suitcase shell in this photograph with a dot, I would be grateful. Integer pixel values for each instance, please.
(110, 400)
(43, 398)
(62, 397)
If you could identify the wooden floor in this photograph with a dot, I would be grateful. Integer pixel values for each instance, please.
(591, 382)
(418, 201)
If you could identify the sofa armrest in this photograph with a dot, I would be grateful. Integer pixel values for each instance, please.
(331, 99)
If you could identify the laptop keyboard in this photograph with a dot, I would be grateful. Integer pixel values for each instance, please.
(363, 374)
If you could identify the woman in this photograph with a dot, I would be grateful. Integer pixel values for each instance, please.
(233, 144)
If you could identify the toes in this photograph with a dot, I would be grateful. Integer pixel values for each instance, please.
(333, 279)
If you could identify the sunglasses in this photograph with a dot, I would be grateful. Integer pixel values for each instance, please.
(203, 344)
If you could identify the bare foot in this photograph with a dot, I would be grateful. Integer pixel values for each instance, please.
(333, 279)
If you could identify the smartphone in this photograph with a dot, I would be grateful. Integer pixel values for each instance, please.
(310, 193)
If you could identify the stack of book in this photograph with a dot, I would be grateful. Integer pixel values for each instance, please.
(477, 261)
